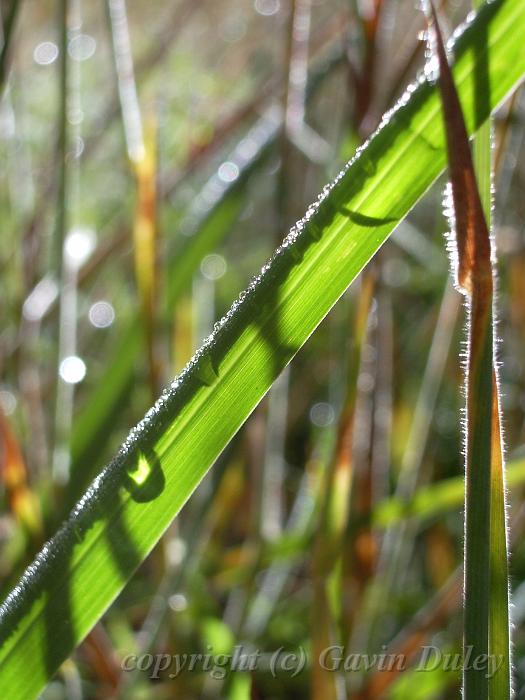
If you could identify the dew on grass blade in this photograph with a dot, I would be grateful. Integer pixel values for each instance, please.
(369, 165)
(322, 414)
(82, 47)
(228, 171)
(72, 369)
(8, 402)
(101, 314)
(178, 602)
(213, 266)
(45, 53)
(145, 478)
(141, 471)
(205, 370)
(40, 300)
(79, 245)
(176, 550)
(267, 8)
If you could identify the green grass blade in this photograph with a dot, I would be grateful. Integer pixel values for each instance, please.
(499, 628)
(114, 526)
(486, 607)
(499, 622)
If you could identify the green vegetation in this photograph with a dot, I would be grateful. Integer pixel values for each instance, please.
(332, 514)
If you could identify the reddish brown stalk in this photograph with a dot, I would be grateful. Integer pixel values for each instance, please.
(474, 274)
(485, 544)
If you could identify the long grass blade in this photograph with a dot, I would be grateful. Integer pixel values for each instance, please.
(486, 577)
(499, 628)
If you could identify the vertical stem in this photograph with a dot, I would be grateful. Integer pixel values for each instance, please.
(61, 223)
(77, 245)
(61, 220)
(486, 633)
(499, 623)
(499, 628)
(127, 88)
(477, 496)
(142, 152)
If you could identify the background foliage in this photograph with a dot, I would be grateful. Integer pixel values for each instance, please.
(141, 285)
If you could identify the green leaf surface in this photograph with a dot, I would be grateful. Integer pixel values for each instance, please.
(499, 623)
(114, 526)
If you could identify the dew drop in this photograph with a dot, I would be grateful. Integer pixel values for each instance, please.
(296, 253)
(140, 473)
(101, 314)
(205, 370)
(314, 230)
(322, 414)
(267, 7)
(178, 602)
(78, 246)
(72, 369)
(40, 299)
(82, 47)
(176, 550)
(45, 53)
(145, 478)
(213, 266)
(228, 171)
(7, 402)
(369, 166)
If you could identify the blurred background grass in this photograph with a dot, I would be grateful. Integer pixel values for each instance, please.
(154, 155)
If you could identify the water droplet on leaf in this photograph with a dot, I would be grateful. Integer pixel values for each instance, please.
(205, 369)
